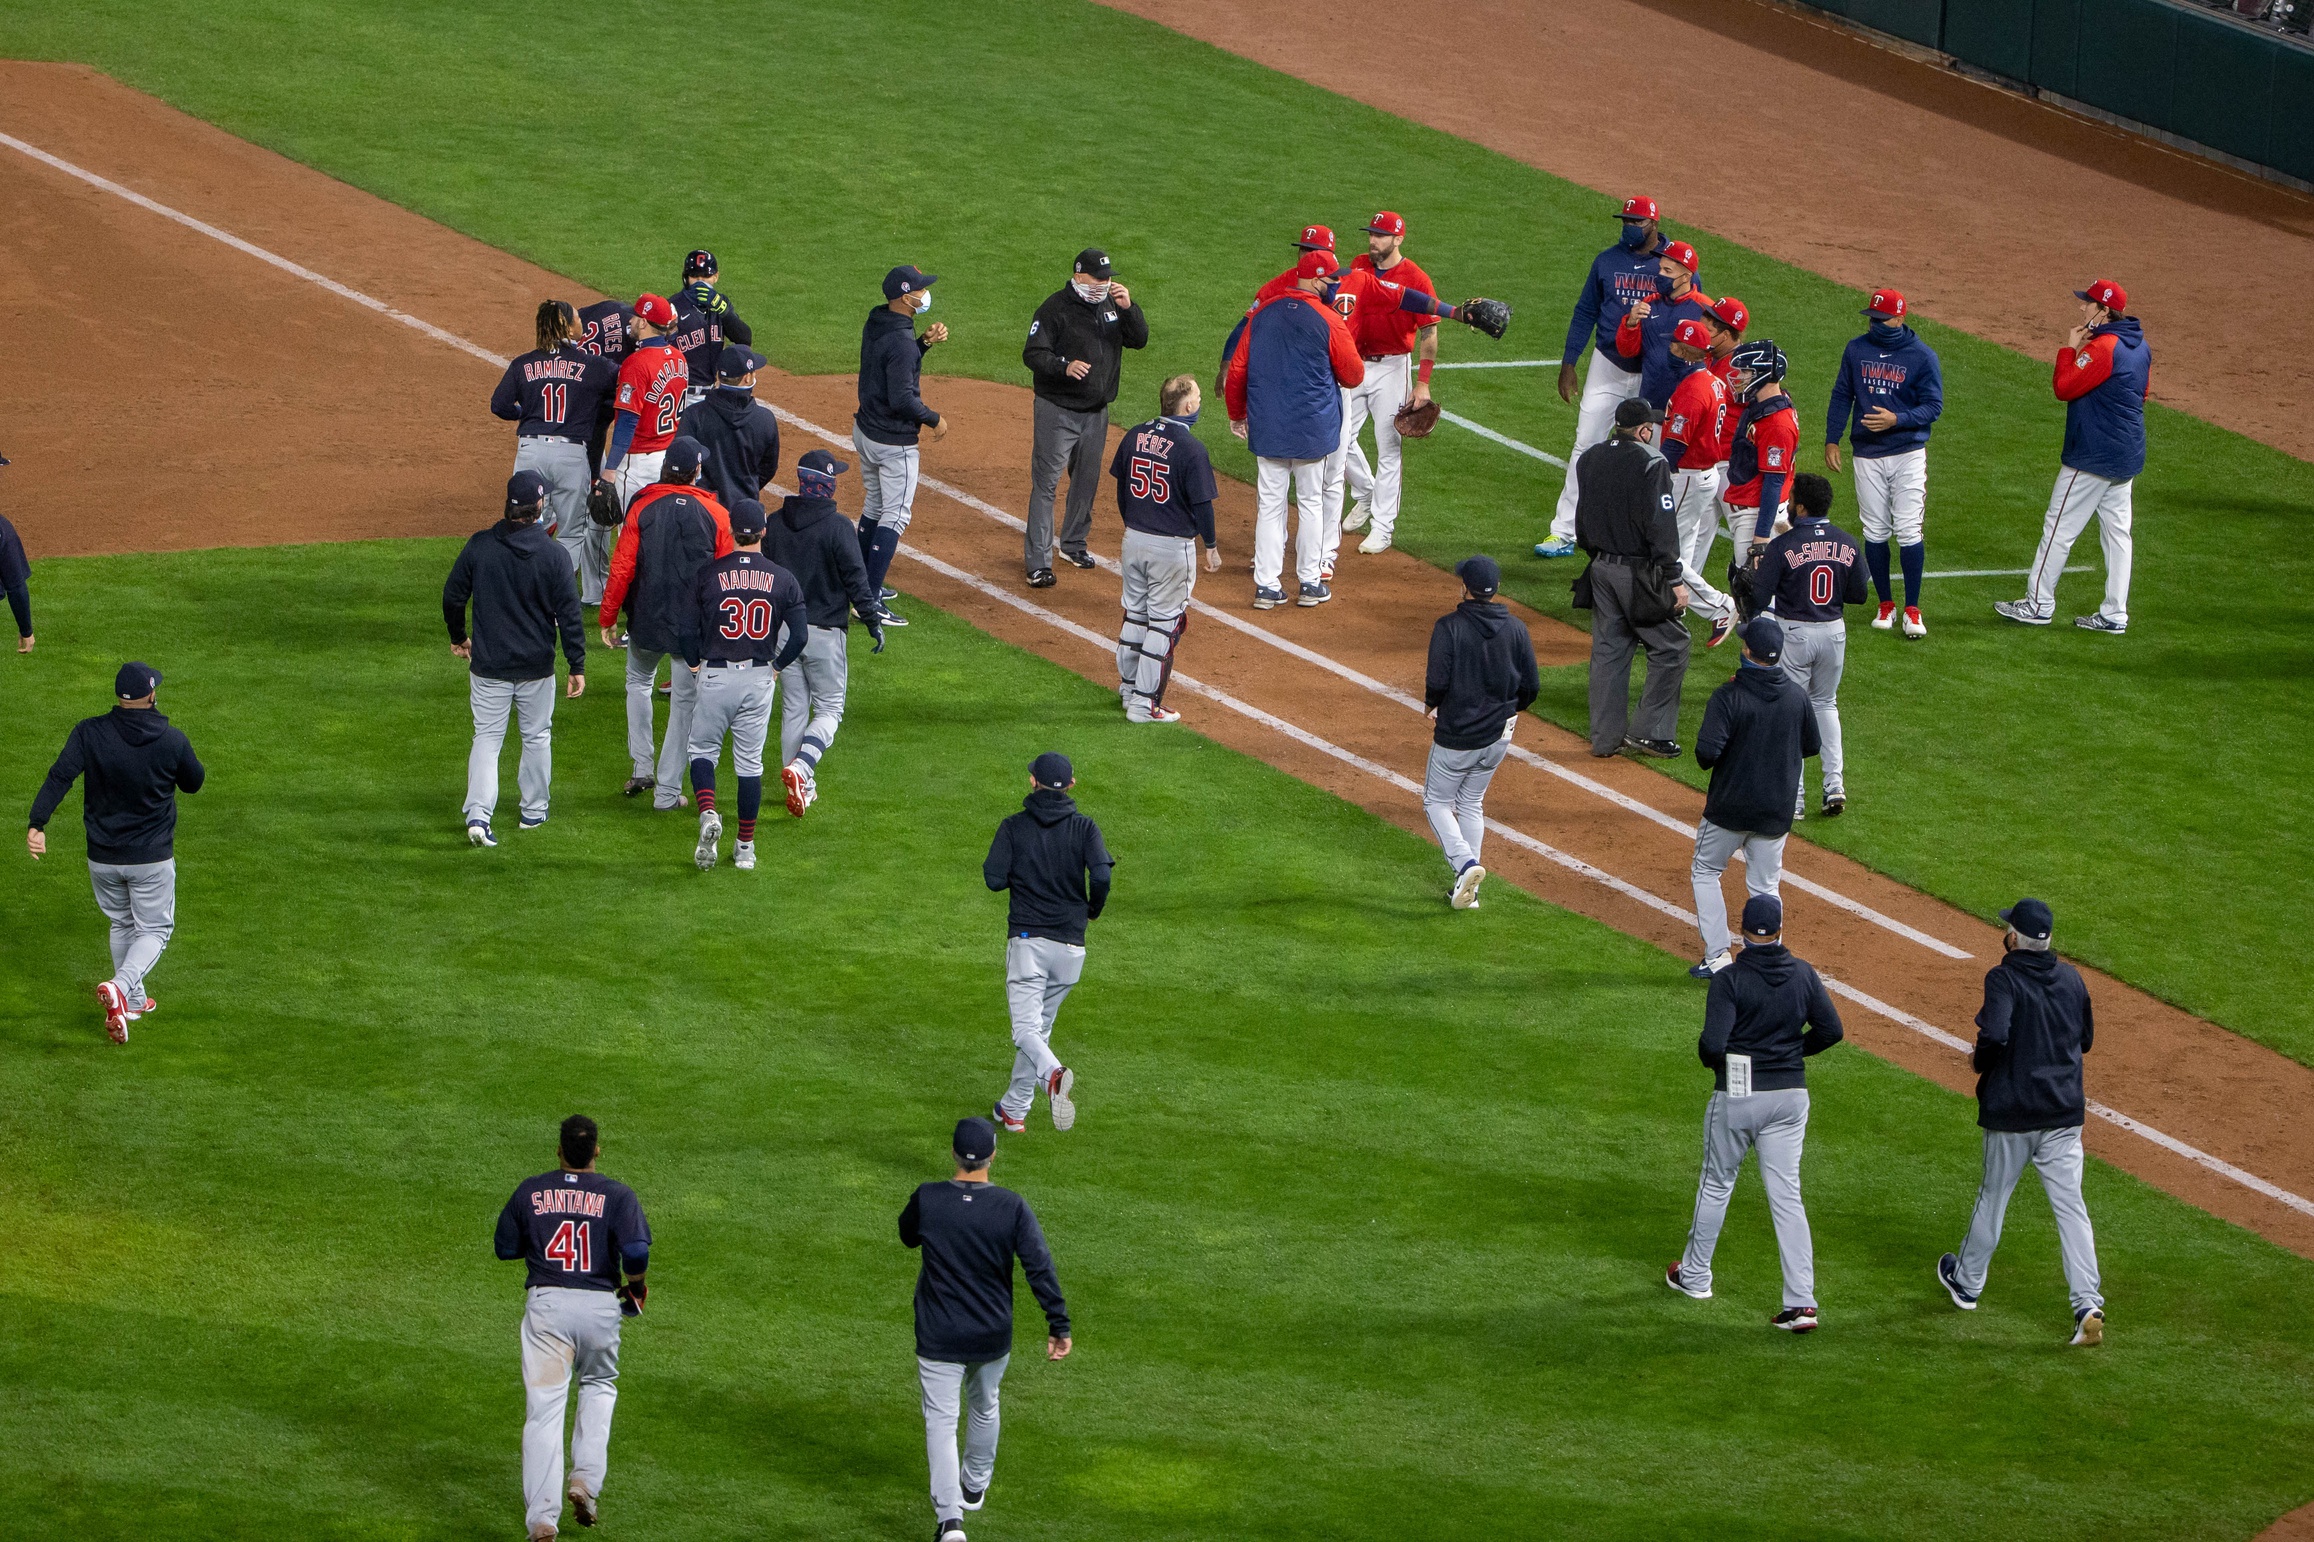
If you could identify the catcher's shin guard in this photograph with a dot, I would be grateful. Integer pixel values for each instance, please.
(1157, 648)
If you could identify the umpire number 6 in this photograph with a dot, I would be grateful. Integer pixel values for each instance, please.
(1147, 478)
(746, 618)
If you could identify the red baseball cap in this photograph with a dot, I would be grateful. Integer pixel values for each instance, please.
(1386, 224)
(1315, 264)
(1730, 313)
(1638, 208)
(655, 310)
(1316, 238)
(1683, 254)
(2107, 293)
(1886, 302)
(1691, 332)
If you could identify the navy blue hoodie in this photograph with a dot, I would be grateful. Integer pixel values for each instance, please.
(1903, 376)
(1617, 278)
(970, 1234)
(520, 581)
(1055, 864)
(1771, 1006)
(891, 364)
(1757, 728)
(2032, 1031)
(136, 762)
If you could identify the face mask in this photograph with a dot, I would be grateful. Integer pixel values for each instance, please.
(1885, 332)
(1189, 419)
(1092, 294)
(1634, 237)
(927, 305)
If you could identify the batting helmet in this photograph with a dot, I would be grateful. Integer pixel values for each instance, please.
(1761, 360)
(700, 263)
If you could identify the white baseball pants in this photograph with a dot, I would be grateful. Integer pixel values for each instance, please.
(140, 900)
(1606, 386)
(1389, 382)
(1160, 574)
(2076, 497)
(735, 699)
(1815, 654)
(1892, 496)
(1039, 973)
(946, 1384)
(888, 474)
(2056, 1156)
(1775, 1124)
(1307, 480)
(673, 755)
(566, 1331)
(1715, 847)
(532, 702)
(635, 473)
(1697, 493)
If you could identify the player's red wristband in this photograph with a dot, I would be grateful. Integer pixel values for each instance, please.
(1422, 370)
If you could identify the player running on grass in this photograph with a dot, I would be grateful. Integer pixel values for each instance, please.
(1052, 859)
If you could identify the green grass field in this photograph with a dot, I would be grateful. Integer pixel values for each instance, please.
(2131, 782)
(1361, 1225)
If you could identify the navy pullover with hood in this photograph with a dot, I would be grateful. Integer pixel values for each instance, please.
(2032, 1031)
(1887, 367)
(1619, 276)
(1481, 674)
(1771, 1006)
(1053, 861)
(1757, 728)
(136, 762)
(520, 581)
(891, 365)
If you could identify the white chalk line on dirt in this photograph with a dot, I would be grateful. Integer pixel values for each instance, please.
(2169, 1143)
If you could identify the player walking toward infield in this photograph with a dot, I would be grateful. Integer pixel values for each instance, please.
(574, 1232)
(1056, 868)
(1757, 731)
(810, 539)
(746, 622)
(1480, 677)
(969, 1232)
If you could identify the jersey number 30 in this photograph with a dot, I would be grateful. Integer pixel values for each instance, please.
(573, 1247)
(746, 618)
(1149, 479)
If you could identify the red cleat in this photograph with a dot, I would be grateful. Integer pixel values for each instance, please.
(1885, 619)
(116, 1011)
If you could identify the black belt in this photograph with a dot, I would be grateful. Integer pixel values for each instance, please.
(1617, 558)
(739, 663)
(557, 439)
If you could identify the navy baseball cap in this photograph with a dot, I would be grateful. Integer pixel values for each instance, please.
(747, 517)
(1093, 262)
(1480, 575)
(2031, 918)
(737, 363)
(1764, 638)
(907, 279)
(525, 490)
(823, 463)
(1763, 916)
(137, 680)
(1052, 769)
(975, 1141)
(684, 458)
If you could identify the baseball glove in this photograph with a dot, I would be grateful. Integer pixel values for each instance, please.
(603, 503)
(1415, 420)
(631, 1296)
(1490, 316)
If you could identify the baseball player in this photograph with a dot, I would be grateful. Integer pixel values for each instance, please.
(1052, 860)
(739, 433)
(2033, 1029)
(1645, 332)
(892, 417)
(1806, 579)
(1696, 425)
(970, 1232)
(709, 324)
(1757, 730)
(1620, 277)
(2102, 375)
(16, 579)
(1479, 678)
(606, 329)
(555, 395)
(746, 622)
(648, 402)
(1889, 390)
(136, 761)
(1727, 321)
(813, 541)
(1389, 341)
(1764, 1017)
(521, 602)
(672, 530)
(1165, 492)
(574, 1232)
(1762, 454)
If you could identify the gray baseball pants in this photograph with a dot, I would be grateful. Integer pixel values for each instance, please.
(1039, 973)
(532, 702)
(1615, 637)
(140, 900)
(1714, 849)
(1815, 654)
(2056, 1156)
(563, 463)
(812, 706)
(735, 699)
(947, 1384)
(1454, 796)
(1776, 1125)
(666, 769)
(1077, 442)
(887, 482)
(1160, 574)
(566, 1332)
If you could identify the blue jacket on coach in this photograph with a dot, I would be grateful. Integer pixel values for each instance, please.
(1616, 279)
(1903, 376)
(891, 363)
(2105, 429)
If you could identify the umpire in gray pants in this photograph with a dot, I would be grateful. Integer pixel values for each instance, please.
(1624, 517)
(1479, 678)
(1075, 353)
(1764, 1017)
(136, 761)
(2033, 1029)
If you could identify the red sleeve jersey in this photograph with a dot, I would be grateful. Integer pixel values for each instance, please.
(1775, 446)
(2080, 373)
(651, 384)
(1698, 418)
(1377, 325)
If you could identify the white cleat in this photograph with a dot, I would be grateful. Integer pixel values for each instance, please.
(1356, 519)
(743, 856)
(1913, 625)
(1375, 544)
(1465, 895)
(1887, 617)
(710, 832)
(1058, 1086)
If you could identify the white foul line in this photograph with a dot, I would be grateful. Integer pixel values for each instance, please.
(1485, 432)
(1495, 364)
(1991, 572)
(1575, 864)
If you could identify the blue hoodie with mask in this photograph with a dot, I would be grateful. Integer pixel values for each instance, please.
(1889, 366)
(1619, 276)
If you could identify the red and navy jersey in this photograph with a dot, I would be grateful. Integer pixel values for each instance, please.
(1164, 480)
(1810, 572)
(1766, 444)
(744, 607)
(575, 1231)
(699, 333)
(554, 394)
(1384, 330)
(607, 330)
(1699, 419)
(651, 387)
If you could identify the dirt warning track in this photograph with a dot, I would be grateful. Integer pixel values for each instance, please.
(360, 412)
